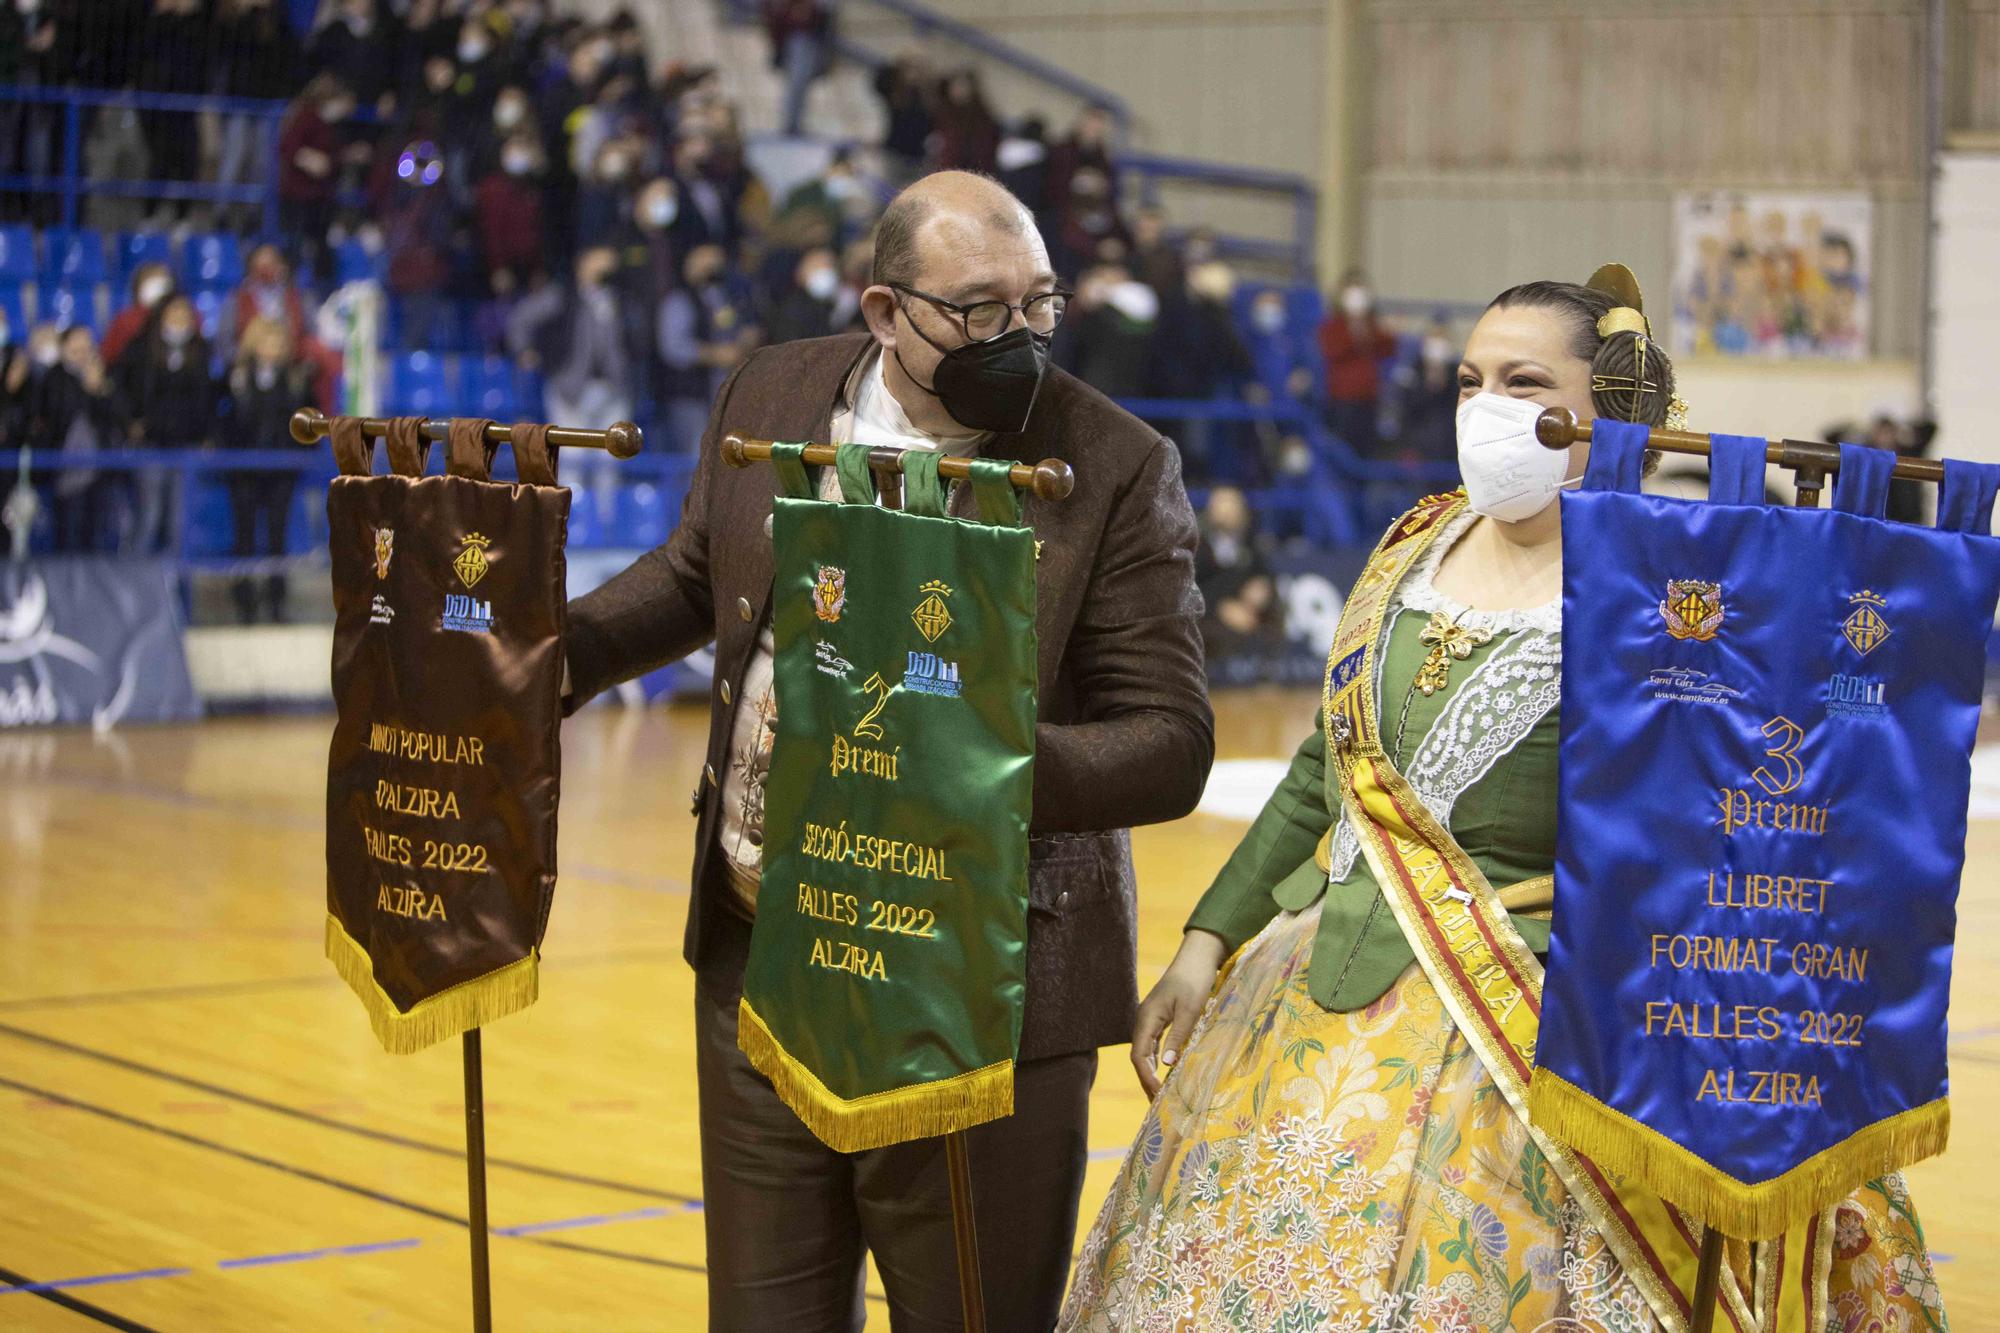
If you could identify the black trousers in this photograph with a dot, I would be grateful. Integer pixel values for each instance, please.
(788, 1218)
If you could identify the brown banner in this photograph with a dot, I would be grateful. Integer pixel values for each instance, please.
(444, 772)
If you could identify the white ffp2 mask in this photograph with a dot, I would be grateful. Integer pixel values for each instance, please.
(1509, 474)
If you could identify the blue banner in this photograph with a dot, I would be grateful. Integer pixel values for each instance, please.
(91, 640)
(1768, 716)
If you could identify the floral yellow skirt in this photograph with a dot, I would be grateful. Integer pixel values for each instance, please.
(1306, 1170)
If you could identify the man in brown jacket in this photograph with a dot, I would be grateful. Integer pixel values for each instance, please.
(954, 359)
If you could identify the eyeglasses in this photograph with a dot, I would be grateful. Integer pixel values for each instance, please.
(984, 321)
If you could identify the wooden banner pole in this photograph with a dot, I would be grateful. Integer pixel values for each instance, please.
(1708, 1281)
(971, 1292)
(475, 1184)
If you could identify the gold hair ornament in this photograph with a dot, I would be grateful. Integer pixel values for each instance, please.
(1622, 319)
(1628, 314)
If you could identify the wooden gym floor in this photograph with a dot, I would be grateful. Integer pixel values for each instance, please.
(198, 1132)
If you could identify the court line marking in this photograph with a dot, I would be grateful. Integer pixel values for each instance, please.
(597, 1220)
(96, 1280)
(328, 1122)
(326, 1252)
(333, 1182)
(72, 1303)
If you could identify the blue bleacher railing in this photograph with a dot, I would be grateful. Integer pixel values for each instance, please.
(72, 184)
(634, 502)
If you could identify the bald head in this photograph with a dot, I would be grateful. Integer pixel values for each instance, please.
(948, 214)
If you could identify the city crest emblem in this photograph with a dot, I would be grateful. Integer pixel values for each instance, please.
(829, 593)
(471, 564)
(1864, 627)
(932, 616)
(1692, 609)
(385, 546)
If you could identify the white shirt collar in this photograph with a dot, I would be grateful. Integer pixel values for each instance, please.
(876, 418)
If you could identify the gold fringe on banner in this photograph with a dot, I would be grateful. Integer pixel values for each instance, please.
(468, 1005)
(920, 1111)
(1746, 1210)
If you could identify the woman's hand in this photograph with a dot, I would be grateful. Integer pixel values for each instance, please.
(1173, 1005)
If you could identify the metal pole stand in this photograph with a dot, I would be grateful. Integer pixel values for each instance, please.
(971, 1293)
(475, 1184)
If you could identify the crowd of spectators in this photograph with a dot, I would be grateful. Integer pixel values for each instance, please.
(527, 183)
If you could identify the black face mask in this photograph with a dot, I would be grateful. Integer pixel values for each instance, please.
(989, 385)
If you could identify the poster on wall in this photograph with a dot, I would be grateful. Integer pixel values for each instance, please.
(1773, 275)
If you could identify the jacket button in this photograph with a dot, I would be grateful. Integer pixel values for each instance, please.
(769, 524)
(725, 693)
(708, 774)
(1062, 900)
(743, 607)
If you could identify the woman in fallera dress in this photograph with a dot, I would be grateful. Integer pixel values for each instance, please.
(1326, 1151)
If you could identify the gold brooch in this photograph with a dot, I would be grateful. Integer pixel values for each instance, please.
(1448, 640)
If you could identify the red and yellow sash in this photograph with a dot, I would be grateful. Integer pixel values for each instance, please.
(1491, 982)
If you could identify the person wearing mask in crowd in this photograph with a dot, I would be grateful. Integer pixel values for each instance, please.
(1462, 1223)
(152, 283)
(435, 108)
(604, 205)
(837, 198)
(1279, 354)
(1426, 398)
(513, 115)
(627, 58)
(954, 361)
(1114, 323)
(269, 291)
(310, 152)
(964, 134)
(507, 216)
(414, 204)
(1354, 344)
(266, 292)
(583, 341)
(266, 385)
(1021, 163)
(801, 33)
(83, 411)
(17, 388)
(173, 397)
(589, 345)
(174, 44)
(1244, 621)
(479, 67)
(40, 43)
(1156, 260)
(706, 329)
(358, 47)
(806, 308)
(1087, 147)
(904, 85)
(257, 55)
(1197, 354)
(707, 213)
(649, 262)
(1089, 229)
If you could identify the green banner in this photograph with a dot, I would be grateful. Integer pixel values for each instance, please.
(887, 967)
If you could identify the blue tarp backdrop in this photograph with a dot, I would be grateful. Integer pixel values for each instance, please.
(91, 640)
